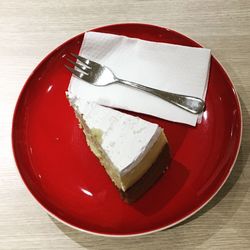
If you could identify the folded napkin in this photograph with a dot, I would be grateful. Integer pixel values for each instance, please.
(168, 67)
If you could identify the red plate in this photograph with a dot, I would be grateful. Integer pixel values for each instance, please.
(67, 179)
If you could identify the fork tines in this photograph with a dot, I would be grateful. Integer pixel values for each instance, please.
(81, 68)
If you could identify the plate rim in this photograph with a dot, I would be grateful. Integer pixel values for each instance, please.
(125, 235)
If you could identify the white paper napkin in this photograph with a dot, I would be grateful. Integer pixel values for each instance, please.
(173, 68)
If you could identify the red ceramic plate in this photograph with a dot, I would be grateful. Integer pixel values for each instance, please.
(67, 179)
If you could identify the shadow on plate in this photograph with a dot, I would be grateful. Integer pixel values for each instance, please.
(166, 182)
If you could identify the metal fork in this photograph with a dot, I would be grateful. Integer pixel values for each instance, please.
(100, 75)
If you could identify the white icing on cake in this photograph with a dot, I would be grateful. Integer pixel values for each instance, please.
(126, 139)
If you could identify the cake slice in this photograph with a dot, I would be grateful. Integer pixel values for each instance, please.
(134, 152)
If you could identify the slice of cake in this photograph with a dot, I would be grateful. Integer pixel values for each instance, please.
(134, 152)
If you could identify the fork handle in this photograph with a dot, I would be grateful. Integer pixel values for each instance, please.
(189, 103)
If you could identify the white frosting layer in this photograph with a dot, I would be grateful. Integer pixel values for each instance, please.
(125, 138)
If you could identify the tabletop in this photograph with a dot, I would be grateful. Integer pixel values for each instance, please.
(31, 29)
